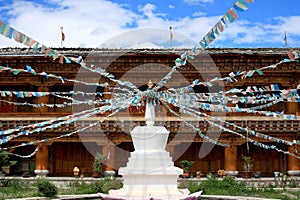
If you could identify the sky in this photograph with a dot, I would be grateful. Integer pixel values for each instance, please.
(134, 23)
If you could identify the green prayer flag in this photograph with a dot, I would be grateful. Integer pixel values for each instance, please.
(259, 71)
(16, 72)
(2, 28)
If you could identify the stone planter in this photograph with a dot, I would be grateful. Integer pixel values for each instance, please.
(293, 172)
(41, 173)
(185, 175)
(231, 173)
(256, 174)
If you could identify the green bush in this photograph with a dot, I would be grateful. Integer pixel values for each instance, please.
(194, 187)
(101, 186)
(111, 183)
(98, 186)
(226, 186)
(14, 184)
(4, 159)
(78, 187)
(46, 188)
(229, 186)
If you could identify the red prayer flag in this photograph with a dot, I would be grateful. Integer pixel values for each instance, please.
(62, 36)
(220, 26)
(291, 55)
(47, 52)
(233, 13)
(61, 60)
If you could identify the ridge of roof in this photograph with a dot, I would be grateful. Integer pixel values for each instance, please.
(17, 51)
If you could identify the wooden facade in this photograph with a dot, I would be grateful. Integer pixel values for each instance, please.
(111, 137)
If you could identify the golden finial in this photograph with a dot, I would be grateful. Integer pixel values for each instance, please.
(150, 84)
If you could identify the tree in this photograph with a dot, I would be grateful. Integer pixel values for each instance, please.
(247, 165)
(4, 159)
(186, 165)
(5, 163)
(97, 165)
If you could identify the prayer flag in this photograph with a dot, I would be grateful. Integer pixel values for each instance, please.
(240, 5)
(220, 26)
(62, 36)
(171, 36)
(285, 39)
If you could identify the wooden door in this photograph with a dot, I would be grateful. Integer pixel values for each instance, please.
(68, 155)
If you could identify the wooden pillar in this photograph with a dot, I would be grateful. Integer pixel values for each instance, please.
(42, 160)
(6, 107)
(293, 163)
(230, 164)
(292, 107)
(43, 99)
(107, 96)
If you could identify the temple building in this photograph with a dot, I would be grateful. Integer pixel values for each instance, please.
(111, 137)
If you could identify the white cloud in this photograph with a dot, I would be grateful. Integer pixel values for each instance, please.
(147, 9)
(192, 27)
(289, 24)
(263, 35)
(171, 6)
(148, 38)
(198, 14)
(84, 22)
(194, 2)
(90, 23)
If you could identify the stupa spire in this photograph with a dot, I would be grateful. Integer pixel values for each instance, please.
(150, 111)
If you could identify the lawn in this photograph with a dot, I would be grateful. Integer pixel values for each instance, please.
(211, 186)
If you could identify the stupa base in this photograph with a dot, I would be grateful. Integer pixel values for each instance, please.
(127, 195)
(150, 173)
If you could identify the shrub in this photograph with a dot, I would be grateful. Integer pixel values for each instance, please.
(111, 184)
(46, 188)
(190, 185)
(4, 159)
(78, 187)
(14, 184)
(186, 165)
(226, 186)
(98, 186)
(193, 187)
(97, 165)
(101, 186)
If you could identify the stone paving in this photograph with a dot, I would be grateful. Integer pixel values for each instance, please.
(95, 196)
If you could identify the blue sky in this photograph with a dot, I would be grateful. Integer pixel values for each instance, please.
(90, 23)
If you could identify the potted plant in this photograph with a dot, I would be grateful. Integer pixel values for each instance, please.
(247, 166)
(198, 174)
(221, 172)
(76, 171)
(256, 174)
(5, 163)
(186, 166)
(97, 165)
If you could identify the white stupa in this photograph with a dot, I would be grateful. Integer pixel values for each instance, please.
(150, 172)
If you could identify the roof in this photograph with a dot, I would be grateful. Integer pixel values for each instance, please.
(14, 51)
